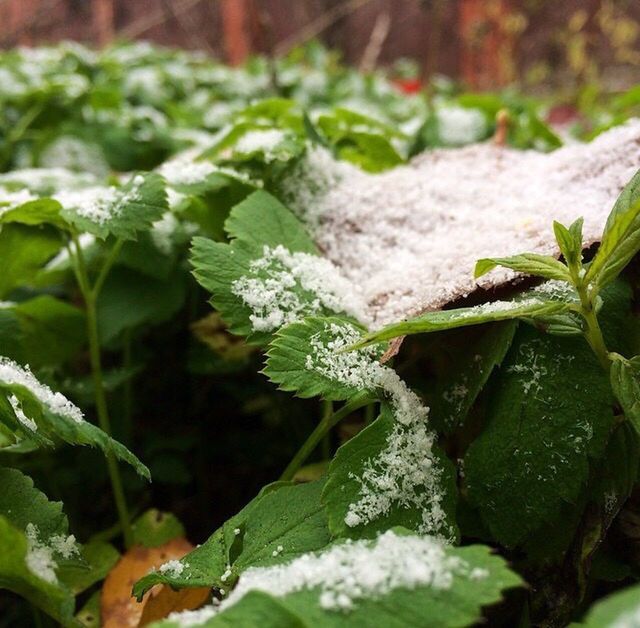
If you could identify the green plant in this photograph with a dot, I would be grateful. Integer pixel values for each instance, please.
(486, 473)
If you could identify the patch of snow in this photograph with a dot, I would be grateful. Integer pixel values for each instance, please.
(409, 238)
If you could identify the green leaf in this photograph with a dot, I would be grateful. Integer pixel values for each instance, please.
(625, 383)
(52, 331)
(549, 413)
(24, 251)
(287, 356)
(258, 610)
(98, 559)
(466, 316)
(21, 503)
(429, 503)
(28, 565)
(35, 213)
(155, 528)
(129, 299)
(33, 411)
(570, 241)
(121, 212)
(618, 472)
(345, 585)
(261, 220)
(89, 615)
(258, 222)
(620, 609)
(282, 522)
(372, 153)
(620, 239)
(15, 576)
(255, 141)
(360, 139)
(529, 263)
(470, 363)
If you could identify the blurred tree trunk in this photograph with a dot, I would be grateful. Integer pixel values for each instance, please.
(236, 26)
(487, 43)
(21, 12)
(103, 21)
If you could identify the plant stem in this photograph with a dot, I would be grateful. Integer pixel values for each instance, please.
(327, 411)
(369, 414)
(37, 617)
(127, 391)
(593, 333)
(327, 422)
(90, 297)
(106, 267)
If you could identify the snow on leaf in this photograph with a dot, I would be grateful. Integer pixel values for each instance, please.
(393, 579)
(26, 403)
(286, 519)
(396, 473)
(121, 212)
(270, 274)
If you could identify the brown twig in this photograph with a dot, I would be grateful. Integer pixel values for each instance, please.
(155, 18)
(319, 25)
(378, 36)
(502, 128)
(187, 25)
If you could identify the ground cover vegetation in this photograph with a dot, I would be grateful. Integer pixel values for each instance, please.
(183, 357)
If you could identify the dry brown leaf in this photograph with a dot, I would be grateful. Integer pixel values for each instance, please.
(117, 608)
(169, 601)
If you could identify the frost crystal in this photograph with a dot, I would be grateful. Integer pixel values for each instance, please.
(284, 287)
(172, 568)
(405, 473)
(352, 571)
(14, 374)
(40, 558)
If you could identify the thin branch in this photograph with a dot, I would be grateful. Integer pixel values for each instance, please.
(187, 25)
(155, 18)
(320, 24)
(378, 36)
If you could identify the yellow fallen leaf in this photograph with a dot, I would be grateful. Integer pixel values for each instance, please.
(169, 601)
(118, 609)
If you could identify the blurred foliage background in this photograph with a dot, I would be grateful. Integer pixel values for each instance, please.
(487, 43)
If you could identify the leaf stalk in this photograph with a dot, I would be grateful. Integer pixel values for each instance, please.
(328, 421)
(90, 296)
